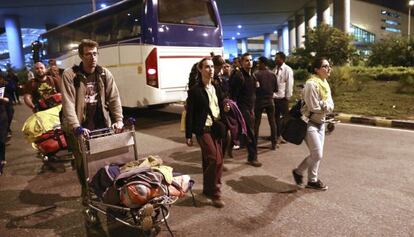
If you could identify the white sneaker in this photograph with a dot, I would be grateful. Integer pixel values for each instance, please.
(236, 147)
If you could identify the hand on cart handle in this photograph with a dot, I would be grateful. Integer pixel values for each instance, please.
(117, 127)
(82, 131)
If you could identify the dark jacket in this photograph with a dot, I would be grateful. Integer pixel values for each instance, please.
(243, 89)
(198, 109)
(267, 85)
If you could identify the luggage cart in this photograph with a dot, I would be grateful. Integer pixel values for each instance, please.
(104, 147)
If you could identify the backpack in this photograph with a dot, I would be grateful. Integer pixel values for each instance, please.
(293, 128)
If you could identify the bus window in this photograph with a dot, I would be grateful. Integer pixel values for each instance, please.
(128, 23)
(82, 31)
(192, 12)
(66, 43)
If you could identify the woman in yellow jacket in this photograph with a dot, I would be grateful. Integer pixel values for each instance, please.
(318, 102)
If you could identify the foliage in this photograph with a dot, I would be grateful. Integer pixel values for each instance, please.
(301, 74)
(406, 84)
(325, 41)
(356, 91)
(341, 77)
(393, 51)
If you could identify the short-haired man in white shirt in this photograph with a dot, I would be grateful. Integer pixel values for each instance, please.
(285, 81)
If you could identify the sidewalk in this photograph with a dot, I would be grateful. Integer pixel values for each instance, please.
(375, 121)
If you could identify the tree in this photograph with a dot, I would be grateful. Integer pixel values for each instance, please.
(392, 51)
(329, 42)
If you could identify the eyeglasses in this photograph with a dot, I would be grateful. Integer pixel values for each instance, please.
(89, 55)
(326, 66)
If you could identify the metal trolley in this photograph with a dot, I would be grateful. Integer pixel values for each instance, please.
(104, 147)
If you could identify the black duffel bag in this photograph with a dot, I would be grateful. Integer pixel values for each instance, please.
(293, 129)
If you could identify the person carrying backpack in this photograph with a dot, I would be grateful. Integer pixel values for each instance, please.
(90, 100)
(318, 102)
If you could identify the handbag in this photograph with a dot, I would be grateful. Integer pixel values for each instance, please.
(293, 129)
(218, 129)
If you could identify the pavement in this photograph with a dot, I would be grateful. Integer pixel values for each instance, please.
(371, 187)
(375, 121)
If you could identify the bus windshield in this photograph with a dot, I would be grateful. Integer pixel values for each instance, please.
(189, 12)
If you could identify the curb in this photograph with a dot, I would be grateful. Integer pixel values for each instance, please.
(375, 121)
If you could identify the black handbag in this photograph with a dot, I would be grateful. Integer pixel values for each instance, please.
(293, 129)
(218, 129)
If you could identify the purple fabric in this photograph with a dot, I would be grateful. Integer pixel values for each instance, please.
(234, 120)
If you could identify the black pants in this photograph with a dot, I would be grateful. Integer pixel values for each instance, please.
(250, 139)
(269, 107)
(281, 109)
(2, 151)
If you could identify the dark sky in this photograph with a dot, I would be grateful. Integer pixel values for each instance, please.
(399, 5)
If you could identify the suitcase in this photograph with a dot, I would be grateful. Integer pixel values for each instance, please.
(51, 142)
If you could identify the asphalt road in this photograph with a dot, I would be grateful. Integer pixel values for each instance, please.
(369, 171)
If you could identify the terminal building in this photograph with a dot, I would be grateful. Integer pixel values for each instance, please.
(367, 20)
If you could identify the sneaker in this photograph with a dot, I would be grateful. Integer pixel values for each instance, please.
(236, 147)
(297, 177)
(318, 185)
(254, 163)
(218, 203)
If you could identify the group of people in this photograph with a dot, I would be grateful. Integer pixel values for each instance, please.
(90, 100)
(244, 94)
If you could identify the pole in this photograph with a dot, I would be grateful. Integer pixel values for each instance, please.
(409, 22)
(93, 5)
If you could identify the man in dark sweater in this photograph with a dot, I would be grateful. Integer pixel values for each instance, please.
(267, 85)
(243, 92)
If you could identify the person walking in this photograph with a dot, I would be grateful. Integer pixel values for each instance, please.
(243, 92)
(266, 82)
(13, 83)
(318, 102)
(285, 81)
(90, 100)
(204, 106)
(4, 121)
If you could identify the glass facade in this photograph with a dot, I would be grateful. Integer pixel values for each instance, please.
(361, 35)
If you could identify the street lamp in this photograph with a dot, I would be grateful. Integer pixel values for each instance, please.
(410, 4)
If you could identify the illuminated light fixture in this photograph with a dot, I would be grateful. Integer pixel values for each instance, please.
(103, 5)
(411, 3)
(238, 33)
(239, 26)
(129, 14)
(205, 34)
(190, 29)
(233, 38)
(161, 29)
(136, 20)
(275, 32)
(72, 45)
(152, 71)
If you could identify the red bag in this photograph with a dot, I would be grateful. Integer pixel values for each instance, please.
(51, 142)
(52, 101)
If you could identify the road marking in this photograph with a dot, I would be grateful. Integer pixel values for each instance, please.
(374, 127)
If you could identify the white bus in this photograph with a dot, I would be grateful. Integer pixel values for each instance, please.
(149, 45)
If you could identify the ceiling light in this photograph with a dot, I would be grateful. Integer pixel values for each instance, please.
(239, 26)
